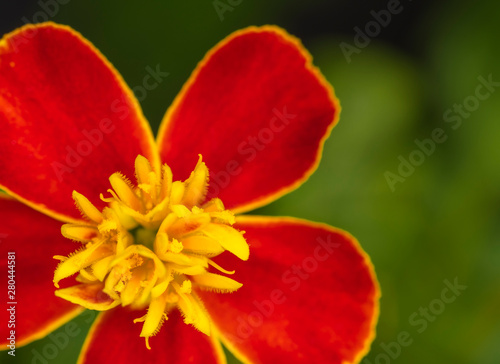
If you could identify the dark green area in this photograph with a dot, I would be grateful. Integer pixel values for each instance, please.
(440, 222)
(60, 346)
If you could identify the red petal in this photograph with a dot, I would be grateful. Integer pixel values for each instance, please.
(258, 112)
(68, 120)
(309, 295)
(35, 239)
(114, 338)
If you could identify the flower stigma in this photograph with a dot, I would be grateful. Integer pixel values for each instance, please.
(151, 247)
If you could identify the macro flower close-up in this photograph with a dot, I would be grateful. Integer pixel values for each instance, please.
(154, 229)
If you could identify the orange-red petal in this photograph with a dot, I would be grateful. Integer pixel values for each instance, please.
(309, 295)
(258, 112)
(114, 338)
(68, 120)
(35, 239)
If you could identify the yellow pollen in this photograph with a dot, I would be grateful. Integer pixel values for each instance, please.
(151, 248)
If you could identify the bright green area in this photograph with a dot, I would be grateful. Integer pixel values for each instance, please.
(440, 223)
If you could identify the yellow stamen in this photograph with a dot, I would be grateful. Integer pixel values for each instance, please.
(229, 238)
(86, 208)
(216, 282)
(196, 185)
(219, 268)
(152, 247)
(124, 190)
(83, 233)
(200, 244)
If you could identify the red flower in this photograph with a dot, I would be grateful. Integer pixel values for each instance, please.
(258, 113)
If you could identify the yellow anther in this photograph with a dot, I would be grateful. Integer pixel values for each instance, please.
(87, 276)
(78, 261)
(231, 239)
(154, 183)
(203, 245)
(83, 233)
(124, 190)
(186, 286)
(177, 192)
(214, 205)
(154, 317)
(196, 185)
(180, 210)
(217, 282)
(142, 170)
(176, 246)
(107, 225)
(188, 224)
(145, 187)
(166, 183)
(86, 208)
(161, 243)
(159, 289)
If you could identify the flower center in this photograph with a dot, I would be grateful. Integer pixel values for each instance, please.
(151, 247)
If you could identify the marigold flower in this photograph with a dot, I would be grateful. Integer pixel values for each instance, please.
(157, 241)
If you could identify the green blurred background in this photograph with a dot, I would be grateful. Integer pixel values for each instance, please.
(441, 222)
